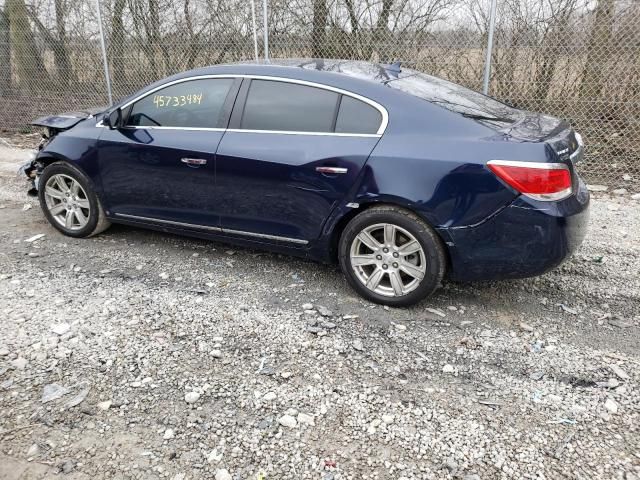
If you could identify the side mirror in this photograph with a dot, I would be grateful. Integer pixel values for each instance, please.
(114, 119)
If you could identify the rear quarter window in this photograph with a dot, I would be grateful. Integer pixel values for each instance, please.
(356, 116)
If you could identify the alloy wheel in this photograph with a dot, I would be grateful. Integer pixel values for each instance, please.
(67, 201)
(388, 260)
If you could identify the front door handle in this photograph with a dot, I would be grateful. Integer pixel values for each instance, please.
(194, 162)
(331, 170)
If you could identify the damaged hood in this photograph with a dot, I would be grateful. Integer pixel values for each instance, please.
(64, 121)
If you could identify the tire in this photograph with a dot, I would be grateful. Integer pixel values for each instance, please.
(57, 204)
(401, 278)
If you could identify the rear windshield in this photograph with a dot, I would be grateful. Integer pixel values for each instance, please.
(453, 97)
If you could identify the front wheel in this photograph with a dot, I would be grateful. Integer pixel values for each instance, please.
(391, 256)
(69, 203)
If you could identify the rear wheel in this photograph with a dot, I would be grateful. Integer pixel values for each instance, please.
(391, 256)
(69, 203)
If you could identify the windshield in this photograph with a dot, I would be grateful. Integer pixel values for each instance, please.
(454, 97)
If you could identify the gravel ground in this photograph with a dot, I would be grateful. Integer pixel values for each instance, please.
(137, 354)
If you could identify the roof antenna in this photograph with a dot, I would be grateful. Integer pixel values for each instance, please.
(394, 67)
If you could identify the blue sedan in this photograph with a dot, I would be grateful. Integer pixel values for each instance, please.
(399, 176)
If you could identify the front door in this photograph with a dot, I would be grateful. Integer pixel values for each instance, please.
(161, 164)
(295, 152)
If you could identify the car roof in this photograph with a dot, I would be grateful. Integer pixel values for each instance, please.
(369, 71)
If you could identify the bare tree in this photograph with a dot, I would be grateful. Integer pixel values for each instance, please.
(598, 51)
(30, 67)
(57, 42)
(320, 13)
(5, 54)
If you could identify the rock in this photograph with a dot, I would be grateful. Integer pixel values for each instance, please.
(269, 397)
(223, 474)
(20, 363)
(400, 327)
(635, 196)
(626, 177)
(570, 310)
(191, 397)
(620, 191)
(33, 451)
(448, 369)
(328, 325)
(436, 311)
(164, 275)
(526, 327)
(214, 456)
(168, 434)
(597, 188)
(216, 353)
(539, 375)
(307, 306)
(60, 328)
(287, 421)
(106, 405)
(306, 419)
(388, 419)
(611, 405)
(619, 372)
(68, 466)
(357, 345)
(78, 399)
(473, 476)
(35, 237)
(53, 392)
(324, 311)
(4, 351)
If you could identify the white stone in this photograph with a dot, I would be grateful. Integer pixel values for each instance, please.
(269, 397)
(106, 405)
(619, 372)
(169, 434)
(611, 405)
(223, 474)
(60, 328)
(307, 306)
(216, 353)
(34, 238)
(448, 369)
(388, 419)
(306, 418)
(191, 397)
(287, 421)
(19, 363)
(214, 456)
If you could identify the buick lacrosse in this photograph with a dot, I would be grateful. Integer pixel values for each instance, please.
(399, 176)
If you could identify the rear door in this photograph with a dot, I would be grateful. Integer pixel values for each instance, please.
(291, 153)
(161, 165)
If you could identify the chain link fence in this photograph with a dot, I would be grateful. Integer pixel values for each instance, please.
(577, 59)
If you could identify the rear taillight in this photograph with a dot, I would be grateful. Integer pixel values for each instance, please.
(540, 181)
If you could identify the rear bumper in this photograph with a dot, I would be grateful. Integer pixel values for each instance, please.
(525, 239)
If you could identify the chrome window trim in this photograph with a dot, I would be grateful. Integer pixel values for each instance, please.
(213, 229)
(383, 111)
(288, 132)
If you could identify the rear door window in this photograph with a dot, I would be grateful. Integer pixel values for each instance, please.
(189, 104)
(284, 106)
(355, 116)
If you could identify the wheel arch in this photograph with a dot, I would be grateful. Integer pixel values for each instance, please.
(344, 220)
(48, 158)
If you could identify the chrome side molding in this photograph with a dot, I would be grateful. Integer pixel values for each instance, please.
(213, 229)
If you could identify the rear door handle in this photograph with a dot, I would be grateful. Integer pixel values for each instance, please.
(194, 161)
(332, 170)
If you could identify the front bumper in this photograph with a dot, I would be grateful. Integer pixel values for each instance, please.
(525, 239)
